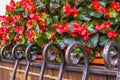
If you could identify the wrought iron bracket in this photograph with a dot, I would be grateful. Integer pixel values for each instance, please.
(31, 55)
(51, 56)
(17, 53)
(112, 57)
(73, 58)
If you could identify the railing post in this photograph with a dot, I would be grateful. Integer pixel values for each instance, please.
(31, 55)
(76, 58)
(17, 53)
(112, 57)
(51, 56)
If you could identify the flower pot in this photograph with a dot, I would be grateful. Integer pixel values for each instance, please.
(97, 61)
(39, 56)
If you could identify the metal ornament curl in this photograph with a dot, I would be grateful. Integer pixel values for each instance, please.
(111, 59)
(17, 55)
(7, 49)
(52, 58)
(76, 58)
(31, 56)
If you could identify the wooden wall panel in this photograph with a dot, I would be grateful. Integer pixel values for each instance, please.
(70, 75)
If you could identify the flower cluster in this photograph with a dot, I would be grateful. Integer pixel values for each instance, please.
(91, 23)
(70, 11)
(105, 10)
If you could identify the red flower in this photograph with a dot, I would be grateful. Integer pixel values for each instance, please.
(34, 17)
(19, 30)
(13, 24)
(1, 32)
(64, 28)
(98, 27)
(73, 35)
(115, 6)
(67, 9)
(58, 52)
(1, 18)
(52, 37)
(17, 38)
(16, 18)
(88, 50)
(97, 7)
(42, 23)
(30, 34)
(31, 39)
(95, 4)
(30, 24)
(86, 37)
(83, 30)
(115, 35)
(97, 54)
(30, 8)
(6, 29)
(4, 38)
(109, 15)
(112, 34)
(74, 11)
(56, 26)
(12, 3)
(42, 30)
(76, 27)
(7, 19)
(10, 9)
(106, 25)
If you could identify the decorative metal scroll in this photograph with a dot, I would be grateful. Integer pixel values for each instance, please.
(73, 58)
(31, 55)
(49, 56)
(111, 56)
(17, 53)
(6, 51)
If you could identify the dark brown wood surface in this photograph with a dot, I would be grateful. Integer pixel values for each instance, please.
(70, 75)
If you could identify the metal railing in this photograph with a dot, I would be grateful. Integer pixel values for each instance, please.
(111, 56)
(20, 52)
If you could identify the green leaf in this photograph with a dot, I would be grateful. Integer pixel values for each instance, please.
(90, 27)
(46, 2)
(113, 21)
(118, 39)
(114, 13)
(92, 56)
(103, 40)
(94, 39)
(95, 14)
(84, 17)
(61, 44)
(87, 43)
(41, 39)
(19, 9)
(23, 40)
(103, 4)
(55, 19)
(39, 4)
(118, 18)
(58, 59)
(70, 40)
